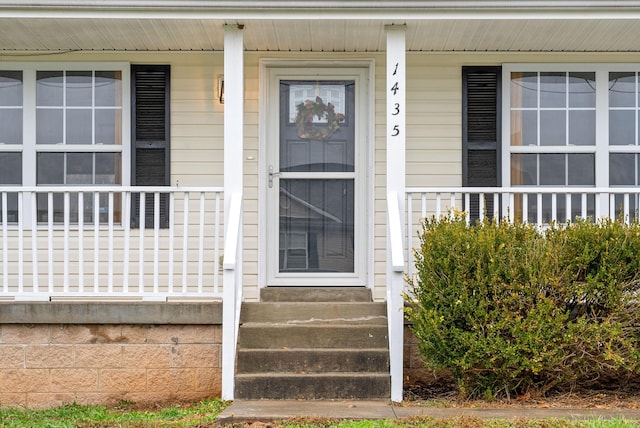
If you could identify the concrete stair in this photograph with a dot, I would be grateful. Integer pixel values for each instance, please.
(313, 343)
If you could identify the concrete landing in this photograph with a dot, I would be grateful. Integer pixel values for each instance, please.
(271, 410)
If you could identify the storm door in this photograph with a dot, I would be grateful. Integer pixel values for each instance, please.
(314, 185)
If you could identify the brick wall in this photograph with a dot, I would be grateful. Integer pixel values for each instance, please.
(44, 365)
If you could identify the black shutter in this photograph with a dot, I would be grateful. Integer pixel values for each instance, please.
(150, 138)
(481, 130)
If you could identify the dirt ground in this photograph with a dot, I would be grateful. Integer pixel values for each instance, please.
(443, 394)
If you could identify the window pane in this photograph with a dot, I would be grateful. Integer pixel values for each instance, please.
(49, 88)
(50, 168)
(582, 127)
(622, 89)
(49, 126)
(10, 88)
(108, 128)
(11, 126)
(524, 90)
(553, 89)
(552, 169)
(582, 89)
(108, 168)
(108, 88)
(524, 128)
(10, 168)
(524, 169)
(553, 128)
(622, 169)
(79, 168)
(581, 169)
(79, 85)
(79, 127)
(622, 128)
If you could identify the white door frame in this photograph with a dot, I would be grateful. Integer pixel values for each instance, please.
(271, 73)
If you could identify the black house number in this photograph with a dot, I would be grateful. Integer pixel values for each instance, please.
(395, 131)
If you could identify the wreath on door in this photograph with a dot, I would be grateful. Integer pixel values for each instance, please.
(309, 110)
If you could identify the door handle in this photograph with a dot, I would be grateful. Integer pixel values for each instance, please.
(271, 175)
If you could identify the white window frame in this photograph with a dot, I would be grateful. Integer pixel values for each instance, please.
(601, 149)
(30, 149)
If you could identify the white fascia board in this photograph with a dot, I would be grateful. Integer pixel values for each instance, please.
(236, 11)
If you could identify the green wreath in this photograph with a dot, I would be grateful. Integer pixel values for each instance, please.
(310, 109)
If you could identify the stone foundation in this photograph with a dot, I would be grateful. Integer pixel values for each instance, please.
(48, 364)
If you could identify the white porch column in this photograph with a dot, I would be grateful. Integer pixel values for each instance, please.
(396, 131)
(233, 175)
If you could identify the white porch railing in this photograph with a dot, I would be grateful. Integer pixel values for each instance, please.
(79, 242)
(232, 294)
(537, 205)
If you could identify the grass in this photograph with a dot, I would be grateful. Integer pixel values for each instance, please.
(124, 415)
(463, 422)
(204, 413)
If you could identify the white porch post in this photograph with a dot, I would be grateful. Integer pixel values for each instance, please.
(396, 131)
(233, 174)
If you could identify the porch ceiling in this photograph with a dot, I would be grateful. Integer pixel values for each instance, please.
(566, 34)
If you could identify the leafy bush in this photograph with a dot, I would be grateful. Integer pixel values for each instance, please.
(509, 309)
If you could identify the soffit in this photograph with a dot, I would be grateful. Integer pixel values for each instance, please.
(320, 35)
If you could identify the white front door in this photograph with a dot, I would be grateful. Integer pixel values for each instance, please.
(315, 185)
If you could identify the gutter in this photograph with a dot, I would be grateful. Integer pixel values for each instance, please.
(326, 5)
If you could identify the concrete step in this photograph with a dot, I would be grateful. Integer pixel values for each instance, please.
(317, 312)
(313, 386)
(289, 336)
(315, 294)
(312, 360)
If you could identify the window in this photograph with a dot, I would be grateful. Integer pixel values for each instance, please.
(569, 126)
(69, 125)
(63, 125)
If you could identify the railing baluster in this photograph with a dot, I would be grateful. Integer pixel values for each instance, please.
(409, 231)
(80, 242)
(96, 242)
(65, 248)
(216, 246)
(452, 201)
(201, 245)
(5, 244)
(156, 242)
(126, 222)
(567, 208)
(110, 245)
(172, 202)
(481, 206)
(438, 202)
(20, 245)
(50, 238)
(583, 206)
(467, 203)
(141, 230)
(612, 206)
(423, 201)
(539, 210)
(185, 242)
(626, 214)
(34, 242)
(496, 206)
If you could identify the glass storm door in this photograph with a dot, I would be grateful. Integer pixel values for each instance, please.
(313, 185)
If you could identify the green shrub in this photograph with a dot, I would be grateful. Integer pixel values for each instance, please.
(509, 309)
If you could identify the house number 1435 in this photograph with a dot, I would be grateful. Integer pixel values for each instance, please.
(395, 131)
